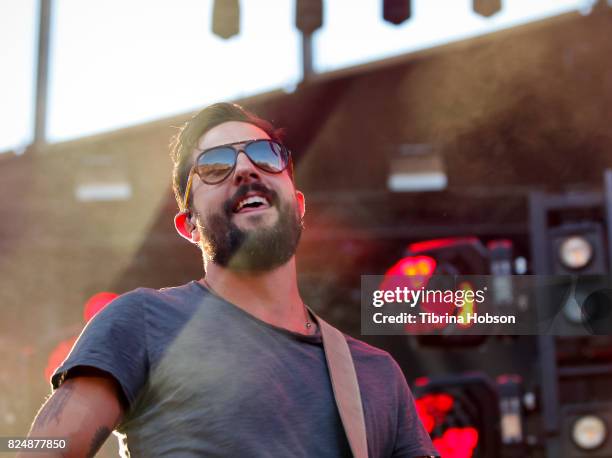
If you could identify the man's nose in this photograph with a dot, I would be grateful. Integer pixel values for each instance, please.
(245, 171)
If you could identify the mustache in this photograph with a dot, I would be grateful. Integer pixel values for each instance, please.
(244, 189)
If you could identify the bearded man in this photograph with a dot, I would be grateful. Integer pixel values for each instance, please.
(231, 364)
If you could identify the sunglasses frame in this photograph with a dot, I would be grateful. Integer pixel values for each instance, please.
(238, 147)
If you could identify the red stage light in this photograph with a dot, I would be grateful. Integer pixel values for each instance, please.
(412, 272)
(433, 408)
(457, 442)
(460, 412)
(413, 266)
(436, 244)
(93, 305)
(96, 303)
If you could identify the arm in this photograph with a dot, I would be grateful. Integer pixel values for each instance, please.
(84, 410)
(101, 377)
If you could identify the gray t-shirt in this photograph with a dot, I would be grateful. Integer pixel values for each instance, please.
(204, 378)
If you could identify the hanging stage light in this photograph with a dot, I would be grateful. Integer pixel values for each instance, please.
(487, 8)
(397, 11)
(308, 15)
(226, 18)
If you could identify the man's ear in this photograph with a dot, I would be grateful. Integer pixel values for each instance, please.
(301, 202)
(185, 226)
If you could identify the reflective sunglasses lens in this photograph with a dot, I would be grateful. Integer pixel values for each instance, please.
(214, 165)
(267, 155)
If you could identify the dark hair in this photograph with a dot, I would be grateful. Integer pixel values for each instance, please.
(186, 139)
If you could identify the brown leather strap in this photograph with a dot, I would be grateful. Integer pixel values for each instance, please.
(345, 387)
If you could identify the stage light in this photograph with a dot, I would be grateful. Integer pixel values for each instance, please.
(416, 168)
(60, 352)
(586, 429)
(589, 432)
(460, 412)
(487, 8)
(568, 241)
(454, 256)
(457, 442)
(397, 11)
(96, 303)
(308, 15)
(451, 257)
(410, 266)
(102, 178)
(575, 252)
(226, 18)
(578, 248)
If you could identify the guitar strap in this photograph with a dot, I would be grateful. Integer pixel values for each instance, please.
(345, 386)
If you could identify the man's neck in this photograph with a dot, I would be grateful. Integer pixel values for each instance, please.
(270, 296)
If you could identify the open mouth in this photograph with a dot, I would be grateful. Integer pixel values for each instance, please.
(251, 202)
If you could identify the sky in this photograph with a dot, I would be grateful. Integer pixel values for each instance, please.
(117, 63)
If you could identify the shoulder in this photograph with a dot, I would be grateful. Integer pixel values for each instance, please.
(145, 308)
(361, 349)
(145, 299)
(381, 381)
(167, 294)
(371, 359)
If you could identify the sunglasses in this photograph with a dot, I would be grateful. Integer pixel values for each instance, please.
(213, 165)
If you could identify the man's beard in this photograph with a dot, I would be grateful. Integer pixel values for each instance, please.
(252, 250)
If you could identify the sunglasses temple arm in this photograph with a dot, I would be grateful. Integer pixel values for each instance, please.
(187, 190)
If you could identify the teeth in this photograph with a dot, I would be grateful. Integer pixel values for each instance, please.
(251, 200)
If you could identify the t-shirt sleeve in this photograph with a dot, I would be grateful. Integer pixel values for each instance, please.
(412, 439)
(113, 341)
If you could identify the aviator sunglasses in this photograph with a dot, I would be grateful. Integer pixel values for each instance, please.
(213, 165)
